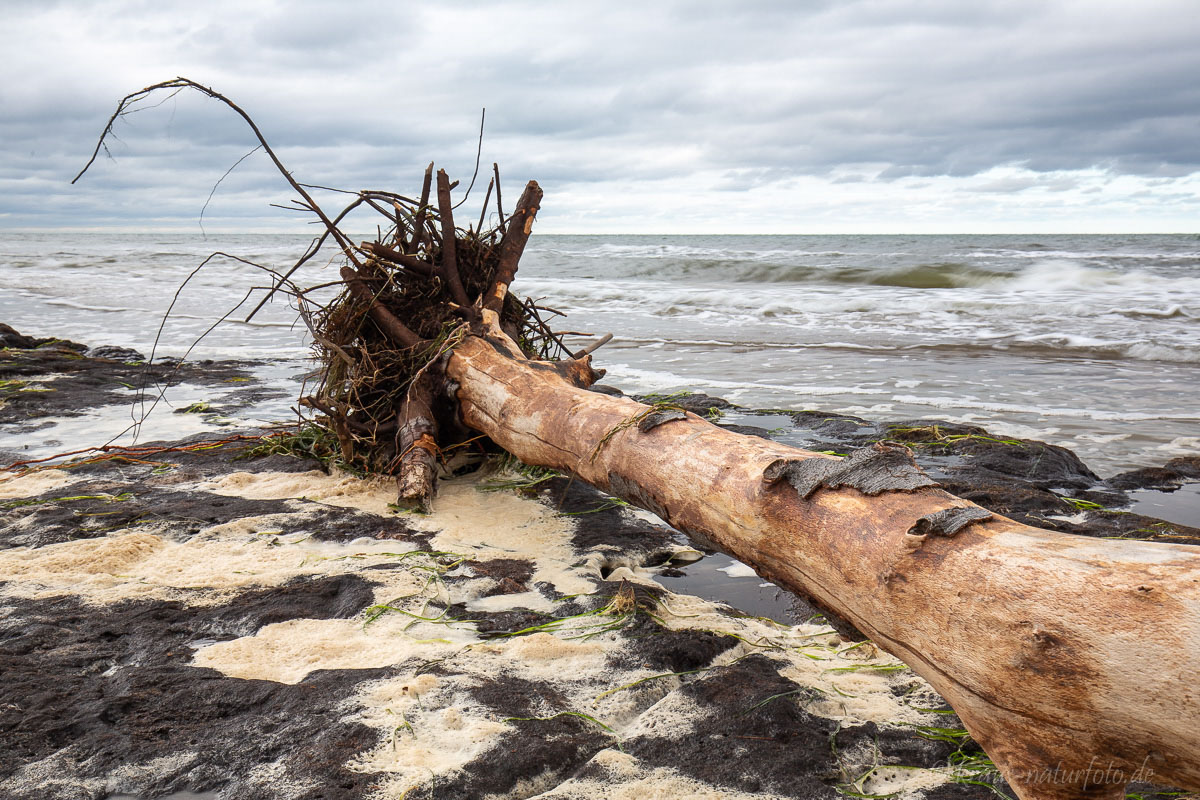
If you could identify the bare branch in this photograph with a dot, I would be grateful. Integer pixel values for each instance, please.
(449, 266)
(123, 108)
(312, 251)
(594, 346)
(419, 219)
(478, 153)
(483, 210)
(499, 205)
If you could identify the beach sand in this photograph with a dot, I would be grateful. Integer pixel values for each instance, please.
(200, 619)
(500, 686)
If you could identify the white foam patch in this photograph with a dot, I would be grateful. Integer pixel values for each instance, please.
(855, 681)
(337, 489)
(489, 525)
(631, 574)
(205, 570)
(674, 716)
(545, 657)
(57, 775)
(626, 778)
(262, 525)
(902, 783)
(431, 727)
(35, 483)
(532, 600)
(286, 652)
(483, 525)
(278, 780)
(739, 570)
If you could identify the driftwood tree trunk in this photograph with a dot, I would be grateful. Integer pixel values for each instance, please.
(1074, 662)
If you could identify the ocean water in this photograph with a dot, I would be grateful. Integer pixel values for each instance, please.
(1090, 341)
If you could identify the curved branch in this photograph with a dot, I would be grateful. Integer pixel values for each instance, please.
(179, 83)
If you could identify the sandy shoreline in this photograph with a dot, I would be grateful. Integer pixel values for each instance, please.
(464, 663)
(209, 621)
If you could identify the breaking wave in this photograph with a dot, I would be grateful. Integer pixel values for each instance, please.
(1037, 271)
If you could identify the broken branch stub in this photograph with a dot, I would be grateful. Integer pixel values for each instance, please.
(516, 234)
(422, 208)
(416, 443)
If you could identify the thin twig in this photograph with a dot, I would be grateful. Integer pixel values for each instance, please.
(186, 83)
(313, 249)
(218, 183)
(478, 153)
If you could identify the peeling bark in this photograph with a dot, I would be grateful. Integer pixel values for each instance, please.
(416, 445)
(948, 521)
(652, 421)
(872, 470)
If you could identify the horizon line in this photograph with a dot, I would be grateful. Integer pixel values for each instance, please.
(193, 232)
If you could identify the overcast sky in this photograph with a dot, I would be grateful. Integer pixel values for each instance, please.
(644, 117)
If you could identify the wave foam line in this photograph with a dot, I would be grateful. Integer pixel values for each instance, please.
(1044, 411)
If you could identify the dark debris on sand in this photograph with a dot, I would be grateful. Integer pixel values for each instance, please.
(89, 690)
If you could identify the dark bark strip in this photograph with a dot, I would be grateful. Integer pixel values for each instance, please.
(652, 421)
(449, 266)
(419, 217)
(948, 521)
(872, 470)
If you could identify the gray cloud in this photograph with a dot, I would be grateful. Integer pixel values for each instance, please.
(753, 93)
